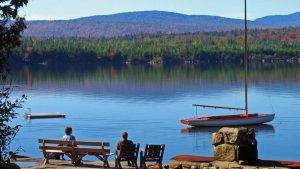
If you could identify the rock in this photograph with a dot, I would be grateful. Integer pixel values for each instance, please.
(178, 166)
(249, 167)
(217, 138)
(174, 164)
(226, 164)
(185, 167)
(234, 135)
(235, 144)
(153, 166)
(225, 152)
(202, 165)
(247, 153)
(194, 167)
(165, 166)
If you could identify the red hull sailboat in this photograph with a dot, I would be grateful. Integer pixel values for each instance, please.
(232, 120)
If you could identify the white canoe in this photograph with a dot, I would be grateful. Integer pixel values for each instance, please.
(229, 120)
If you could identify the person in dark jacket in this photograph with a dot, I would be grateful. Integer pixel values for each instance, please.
(124, 142)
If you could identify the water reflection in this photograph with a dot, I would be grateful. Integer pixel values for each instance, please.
(202, 136)
(155, 82)
(259, 129)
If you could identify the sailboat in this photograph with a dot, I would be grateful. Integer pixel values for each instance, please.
(232, 120)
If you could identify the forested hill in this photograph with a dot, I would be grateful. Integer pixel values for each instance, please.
(270, 45)
(149, 22)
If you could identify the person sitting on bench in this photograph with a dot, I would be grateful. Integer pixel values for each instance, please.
(69, 137)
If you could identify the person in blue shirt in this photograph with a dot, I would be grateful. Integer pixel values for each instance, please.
(68, 135)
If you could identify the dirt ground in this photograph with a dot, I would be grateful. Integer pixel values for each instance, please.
(64, 164)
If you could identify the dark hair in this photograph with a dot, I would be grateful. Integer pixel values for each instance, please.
(68, 130)
(125, 135)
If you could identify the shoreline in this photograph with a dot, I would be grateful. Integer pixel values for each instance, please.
(63, 164)
(174, 163)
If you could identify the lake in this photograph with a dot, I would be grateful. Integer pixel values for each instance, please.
(100, 102)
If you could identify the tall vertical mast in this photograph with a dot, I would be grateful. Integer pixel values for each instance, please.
(246, 61)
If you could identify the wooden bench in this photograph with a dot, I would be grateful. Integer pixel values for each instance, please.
(75, 150)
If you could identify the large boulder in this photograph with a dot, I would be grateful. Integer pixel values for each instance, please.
(225, 152)
(235, 144)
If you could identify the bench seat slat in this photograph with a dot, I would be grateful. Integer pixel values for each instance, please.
(55, 142)
(89, 143)
(61, 148)
(54, 151)
(91, 150)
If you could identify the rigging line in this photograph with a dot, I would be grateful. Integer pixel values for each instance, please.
(217, 107)
(270, 102)
(273, 110)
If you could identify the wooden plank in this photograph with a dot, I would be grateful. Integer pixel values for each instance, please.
(91, 143)
(62, 148)
(217, 107)
(55, 141)
(92, 150)
(54, 151)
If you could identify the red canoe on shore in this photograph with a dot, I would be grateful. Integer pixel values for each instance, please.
(264, 163)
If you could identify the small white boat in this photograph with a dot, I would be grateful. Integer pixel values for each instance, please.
(229, 120)
(232, 120)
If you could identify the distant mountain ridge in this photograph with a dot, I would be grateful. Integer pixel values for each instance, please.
(149, 22)
(280, 20)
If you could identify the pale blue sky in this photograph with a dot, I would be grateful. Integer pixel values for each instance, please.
(68, 9)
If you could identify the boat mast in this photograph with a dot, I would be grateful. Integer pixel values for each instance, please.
(246, 60)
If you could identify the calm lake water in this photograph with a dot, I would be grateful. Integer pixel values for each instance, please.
(149, 101)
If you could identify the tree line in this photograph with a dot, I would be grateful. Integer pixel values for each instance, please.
(216, 47)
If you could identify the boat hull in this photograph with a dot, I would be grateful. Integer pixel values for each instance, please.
(230, 120)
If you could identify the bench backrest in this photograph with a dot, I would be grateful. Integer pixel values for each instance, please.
(77, 146)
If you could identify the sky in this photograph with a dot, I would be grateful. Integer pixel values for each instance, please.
(70, 9)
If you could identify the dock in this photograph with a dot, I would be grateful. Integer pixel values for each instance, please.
(44, 115)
